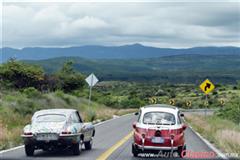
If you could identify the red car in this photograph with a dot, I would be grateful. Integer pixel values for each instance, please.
(159, 128)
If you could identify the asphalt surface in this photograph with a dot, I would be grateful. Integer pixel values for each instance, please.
(107, 134)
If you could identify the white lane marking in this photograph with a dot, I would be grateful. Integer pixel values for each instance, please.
(18, 147)
(100, 123)
(211, 146)
(11, 149)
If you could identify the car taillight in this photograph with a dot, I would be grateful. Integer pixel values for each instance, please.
(66, 132)
(27, 133)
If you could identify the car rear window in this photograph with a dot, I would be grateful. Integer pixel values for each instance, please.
(160, 118)
(51, 118)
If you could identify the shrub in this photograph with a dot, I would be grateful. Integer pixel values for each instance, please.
(21, 75)
(91, 115)
(32, 92)
(69, 79)
(132, 103)
(25, 107)
(231, 111)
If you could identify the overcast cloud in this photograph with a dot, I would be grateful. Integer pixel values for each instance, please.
(174, 25)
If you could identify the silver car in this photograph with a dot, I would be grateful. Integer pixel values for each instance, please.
(54, 129)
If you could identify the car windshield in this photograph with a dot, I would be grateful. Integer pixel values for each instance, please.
(160, 118)
(51, 118)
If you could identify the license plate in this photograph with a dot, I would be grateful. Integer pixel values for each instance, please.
(157, 140)
(47, 137)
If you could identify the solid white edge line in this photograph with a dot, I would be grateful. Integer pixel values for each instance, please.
(211, 146)
(11, 149)
(100, 123)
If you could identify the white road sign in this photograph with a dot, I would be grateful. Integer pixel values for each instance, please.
(91, 80)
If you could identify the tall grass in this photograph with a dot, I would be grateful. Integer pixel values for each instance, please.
(16, 109)
(223, 133)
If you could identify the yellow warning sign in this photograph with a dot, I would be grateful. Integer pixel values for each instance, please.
(222, 102)
(207, 86)
(153, 100)
(172, 102)
(188, 103)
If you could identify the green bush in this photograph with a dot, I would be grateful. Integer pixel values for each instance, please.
(25, 107)
(69, 79)
(231, 111)
(91, 115)
(132, 103)
(32, 92)
(21, 75)
(109, 101)
(59, 93)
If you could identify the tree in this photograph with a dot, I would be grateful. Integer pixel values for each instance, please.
(69, 79)
(21, 75)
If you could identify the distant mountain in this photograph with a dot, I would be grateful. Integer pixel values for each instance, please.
(191, 68)
(135, 51)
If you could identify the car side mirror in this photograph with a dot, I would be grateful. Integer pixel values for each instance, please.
(134, 125)
(181, 115)
(184, 127)
(136, 113)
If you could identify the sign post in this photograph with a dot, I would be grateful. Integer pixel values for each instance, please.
(207, 86)
(91, 80)
(206, 104)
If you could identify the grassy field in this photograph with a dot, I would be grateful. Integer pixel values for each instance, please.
(16, 109)
(123, 94)
(224, 134)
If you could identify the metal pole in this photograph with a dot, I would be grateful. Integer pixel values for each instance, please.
(90, 94)
(206, 102)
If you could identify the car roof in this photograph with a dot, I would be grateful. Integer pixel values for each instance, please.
(65, 112)
(160, 108)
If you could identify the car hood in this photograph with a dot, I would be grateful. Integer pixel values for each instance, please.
(48, 127)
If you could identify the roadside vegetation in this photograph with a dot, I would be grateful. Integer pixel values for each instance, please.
(222, 128)
(17, 107)
(223, 133)
(26, 88)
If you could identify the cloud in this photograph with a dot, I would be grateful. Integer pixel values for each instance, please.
(159, 24)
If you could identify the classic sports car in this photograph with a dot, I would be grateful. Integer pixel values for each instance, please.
(159, 128)
(53, 129)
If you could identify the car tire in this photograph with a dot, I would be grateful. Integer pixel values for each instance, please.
(76, 148)
(29, 149)
(180, 150)
(134, 151)
(88, 145)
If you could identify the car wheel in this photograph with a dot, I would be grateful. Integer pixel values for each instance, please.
(134, 151)
(180, 150)
(88, 145)
(29, 150)
(76, 148)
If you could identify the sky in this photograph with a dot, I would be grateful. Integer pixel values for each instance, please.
(165, 24)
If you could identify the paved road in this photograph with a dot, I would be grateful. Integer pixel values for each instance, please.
(107, 134)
